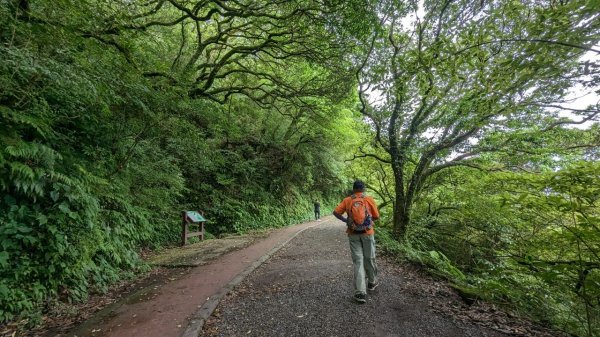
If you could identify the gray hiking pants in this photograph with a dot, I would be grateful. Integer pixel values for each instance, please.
(362, 248)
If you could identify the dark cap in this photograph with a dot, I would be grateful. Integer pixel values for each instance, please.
(358, 186)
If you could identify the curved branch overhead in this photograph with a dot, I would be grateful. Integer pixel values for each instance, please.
(454, 75)
(232, 47)
(116, 115)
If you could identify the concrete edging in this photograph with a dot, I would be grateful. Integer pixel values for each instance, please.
(198, 319)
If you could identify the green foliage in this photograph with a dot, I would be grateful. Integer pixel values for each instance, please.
(387, 244)
(466, 102)
(475, 71)
(116, 116)
(111, 125)
(412, 250)
(526, 240)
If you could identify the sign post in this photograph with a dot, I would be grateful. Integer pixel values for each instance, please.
(194, 218)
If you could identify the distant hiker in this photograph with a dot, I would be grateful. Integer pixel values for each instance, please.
(317, 210)
(360, 210)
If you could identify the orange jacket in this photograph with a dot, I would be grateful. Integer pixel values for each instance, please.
(345, 205)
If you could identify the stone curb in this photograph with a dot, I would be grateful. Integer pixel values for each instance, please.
(198, 319)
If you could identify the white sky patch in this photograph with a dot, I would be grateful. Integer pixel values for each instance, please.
(407, 23)
(581, 98)
(578, 98)
(585, 22)
(432, 134)
(375, 97)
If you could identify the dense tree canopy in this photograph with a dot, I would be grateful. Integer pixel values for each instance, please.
(117, 115)
(456, 76)
(475, 149)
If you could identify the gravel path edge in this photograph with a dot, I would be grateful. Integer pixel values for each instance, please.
(198, 319)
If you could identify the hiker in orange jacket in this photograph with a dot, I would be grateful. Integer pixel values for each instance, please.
(361, 211)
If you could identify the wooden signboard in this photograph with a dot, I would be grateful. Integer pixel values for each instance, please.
(192, 218)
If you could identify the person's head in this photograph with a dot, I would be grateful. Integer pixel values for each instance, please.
(358, 186)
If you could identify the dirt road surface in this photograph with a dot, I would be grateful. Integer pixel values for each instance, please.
(305, 289)
(297, 281)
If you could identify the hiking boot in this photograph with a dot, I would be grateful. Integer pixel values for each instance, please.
(360, 298)
(372, 286)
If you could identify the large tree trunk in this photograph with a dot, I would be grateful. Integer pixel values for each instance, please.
(401, 217)
(401, 205)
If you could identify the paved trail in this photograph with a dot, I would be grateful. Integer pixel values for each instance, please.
(305, 290)
(179, 306)
(295, 282)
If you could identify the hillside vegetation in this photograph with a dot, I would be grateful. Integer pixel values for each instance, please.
(117, 115)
